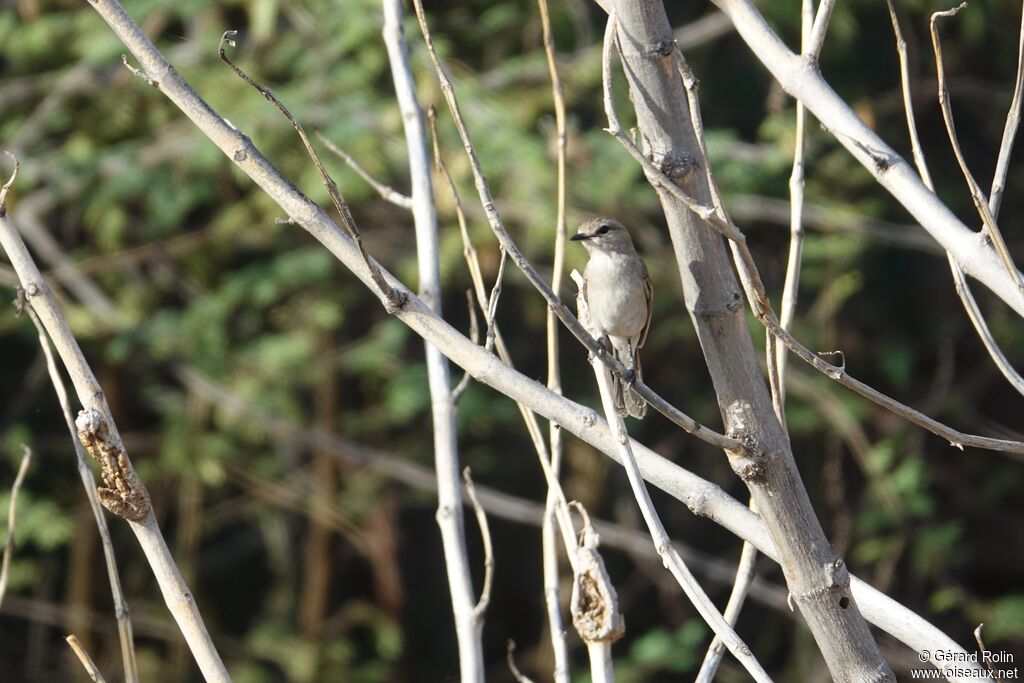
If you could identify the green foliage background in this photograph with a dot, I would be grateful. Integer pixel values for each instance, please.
(309, 568)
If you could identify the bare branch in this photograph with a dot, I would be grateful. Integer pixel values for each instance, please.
(12, 510)
(474, 335)
(761, 306)
(790, 289)
(386, 192)
(10, 182)
(476, 275)
(393, 298)
(738, 595)
(995, 198)
(492, 302)
(699, 495)
(815, 40)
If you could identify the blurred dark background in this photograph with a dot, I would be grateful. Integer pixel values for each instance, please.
(210, 326)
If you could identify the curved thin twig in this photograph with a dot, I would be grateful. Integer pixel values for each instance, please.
(394, 299)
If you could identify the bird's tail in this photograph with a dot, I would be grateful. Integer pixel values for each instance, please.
(627, 401)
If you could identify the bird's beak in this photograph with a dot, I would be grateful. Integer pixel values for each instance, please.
(580, 236)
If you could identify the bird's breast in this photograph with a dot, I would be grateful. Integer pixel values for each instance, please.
(616, 295)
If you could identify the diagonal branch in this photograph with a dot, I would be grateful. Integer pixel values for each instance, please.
(123, 492)
(804, 82)
(386, 192)
(121, 611)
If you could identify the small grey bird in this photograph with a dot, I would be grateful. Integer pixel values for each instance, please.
(618, 292)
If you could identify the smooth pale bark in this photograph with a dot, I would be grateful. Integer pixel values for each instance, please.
(817, 577)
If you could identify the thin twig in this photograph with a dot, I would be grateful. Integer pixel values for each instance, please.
(386, 192)
(738, 596)
(557, 305)
(995, 195)
(138, 73)
(394, 298)
(485, 537)
(981, 647)
(889, 169)
(670, 558)
(791, 286)
(476, 275)
(83, 656)
(121, 611)
(12, 510)
(474, 336)
(552, 599)
(813, 42)
(981, 204)
(492, 303)
(509, 652)
(761, 306)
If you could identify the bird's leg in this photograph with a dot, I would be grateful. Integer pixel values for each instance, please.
(629, 376)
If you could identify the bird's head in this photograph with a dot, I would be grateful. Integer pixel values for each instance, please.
(604, 234)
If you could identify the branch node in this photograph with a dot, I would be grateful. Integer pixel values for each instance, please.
(677, 166)
(138, 73)
(663, 48)
(7, 186)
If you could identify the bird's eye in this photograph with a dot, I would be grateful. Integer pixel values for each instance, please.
(603, 230)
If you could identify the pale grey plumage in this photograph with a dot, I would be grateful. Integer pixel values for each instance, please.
(618, 292)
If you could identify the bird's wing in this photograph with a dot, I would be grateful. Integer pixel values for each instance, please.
(649, 295)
